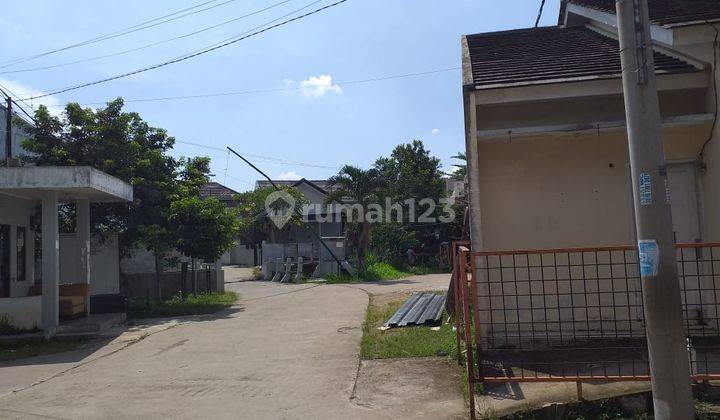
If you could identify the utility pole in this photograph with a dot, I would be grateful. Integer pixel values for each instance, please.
(8, 131)
(667, 348)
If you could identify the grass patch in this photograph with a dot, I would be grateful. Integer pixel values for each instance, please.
(402, 342)
(203, 303)
(31, 348)
(379, 271)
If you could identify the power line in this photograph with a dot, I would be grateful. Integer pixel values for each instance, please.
(274, 90)
(142, 47)
(139, 27)
(266, 158)
(189, 56)
(540, 12)
(9, 94)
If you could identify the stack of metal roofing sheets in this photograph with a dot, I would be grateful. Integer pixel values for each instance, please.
(419, 309)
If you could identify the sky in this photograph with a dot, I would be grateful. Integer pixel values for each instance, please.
(298, 108)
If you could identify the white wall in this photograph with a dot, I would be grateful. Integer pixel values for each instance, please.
(240, 254)
(23, 312)
(16, 212)
(104, 263)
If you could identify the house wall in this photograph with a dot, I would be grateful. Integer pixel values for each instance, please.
(565, 191)
(16, 212)
(104, 263)
(241, 254)
(23, 312)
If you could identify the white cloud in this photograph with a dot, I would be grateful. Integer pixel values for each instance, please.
(23, 91)
(435, 130)
(316, 86)
(289, 176)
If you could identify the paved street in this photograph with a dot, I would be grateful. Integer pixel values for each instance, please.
(285, 351)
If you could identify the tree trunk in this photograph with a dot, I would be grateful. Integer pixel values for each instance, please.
(159, 274)
(363, 243)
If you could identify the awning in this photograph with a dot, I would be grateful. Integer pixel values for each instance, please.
(70, 182)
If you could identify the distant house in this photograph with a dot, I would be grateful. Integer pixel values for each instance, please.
(240, 254)
(326, 221)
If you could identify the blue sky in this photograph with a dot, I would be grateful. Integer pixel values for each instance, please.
(311, 121)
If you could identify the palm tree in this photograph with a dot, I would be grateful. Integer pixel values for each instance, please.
(359, 187)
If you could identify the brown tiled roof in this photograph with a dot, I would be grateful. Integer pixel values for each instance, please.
(551, 54)
(219, 191)
(667, 12)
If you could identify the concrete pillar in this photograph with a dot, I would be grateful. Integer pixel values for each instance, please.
(50, 260)
(219, 277)
(82, 212)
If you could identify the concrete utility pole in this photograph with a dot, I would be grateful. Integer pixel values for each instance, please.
(669, 365)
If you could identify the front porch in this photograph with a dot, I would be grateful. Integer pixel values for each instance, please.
(26, 303)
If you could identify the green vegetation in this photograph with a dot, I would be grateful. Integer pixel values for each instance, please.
(30, 348)
(203, 303)
(402, 342)
(166, 212)
(378, 271)
(6, 328)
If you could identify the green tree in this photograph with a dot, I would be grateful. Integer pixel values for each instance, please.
(362, 188)
(461, 171)
(254, 226)
(122, 144)
(205, 228)
(411, 173)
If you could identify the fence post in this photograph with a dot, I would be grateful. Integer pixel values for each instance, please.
(469, 358)
(183, 278)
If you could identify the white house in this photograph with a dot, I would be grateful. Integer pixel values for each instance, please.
(29, 199)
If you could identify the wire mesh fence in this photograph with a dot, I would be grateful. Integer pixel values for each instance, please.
(575, 314)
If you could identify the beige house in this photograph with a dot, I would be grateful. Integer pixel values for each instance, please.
(548, 168)
(546, 137)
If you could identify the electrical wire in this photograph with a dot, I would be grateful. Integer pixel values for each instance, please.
(189, 56)
(268, 159)
(275, 90)
(139, 27)
(540, 13)
(715, 93)
(142, 47)
(9, 95)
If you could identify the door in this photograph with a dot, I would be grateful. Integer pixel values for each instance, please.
(684, 203)
(4, 261)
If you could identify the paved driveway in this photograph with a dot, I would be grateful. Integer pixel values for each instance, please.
(285, 351)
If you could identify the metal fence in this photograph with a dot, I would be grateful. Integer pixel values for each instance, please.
(575, 315)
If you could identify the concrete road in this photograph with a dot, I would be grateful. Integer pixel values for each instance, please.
(285, 351)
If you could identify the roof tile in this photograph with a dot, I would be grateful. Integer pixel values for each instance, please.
(547, 54)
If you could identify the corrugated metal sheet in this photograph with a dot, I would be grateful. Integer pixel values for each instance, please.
(419, 309)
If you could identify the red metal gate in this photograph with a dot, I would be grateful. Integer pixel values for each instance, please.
(574, 315)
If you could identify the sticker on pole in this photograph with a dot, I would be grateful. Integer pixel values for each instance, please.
(649, 258)
(645, 189)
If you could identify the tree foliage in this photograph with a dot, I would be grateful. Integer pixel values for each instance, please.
(206, 229)
(363, 187)
(254, 226)
(123, 145)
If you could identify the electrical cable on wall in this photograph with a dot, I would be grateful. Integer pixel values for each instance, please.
(715, 92)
